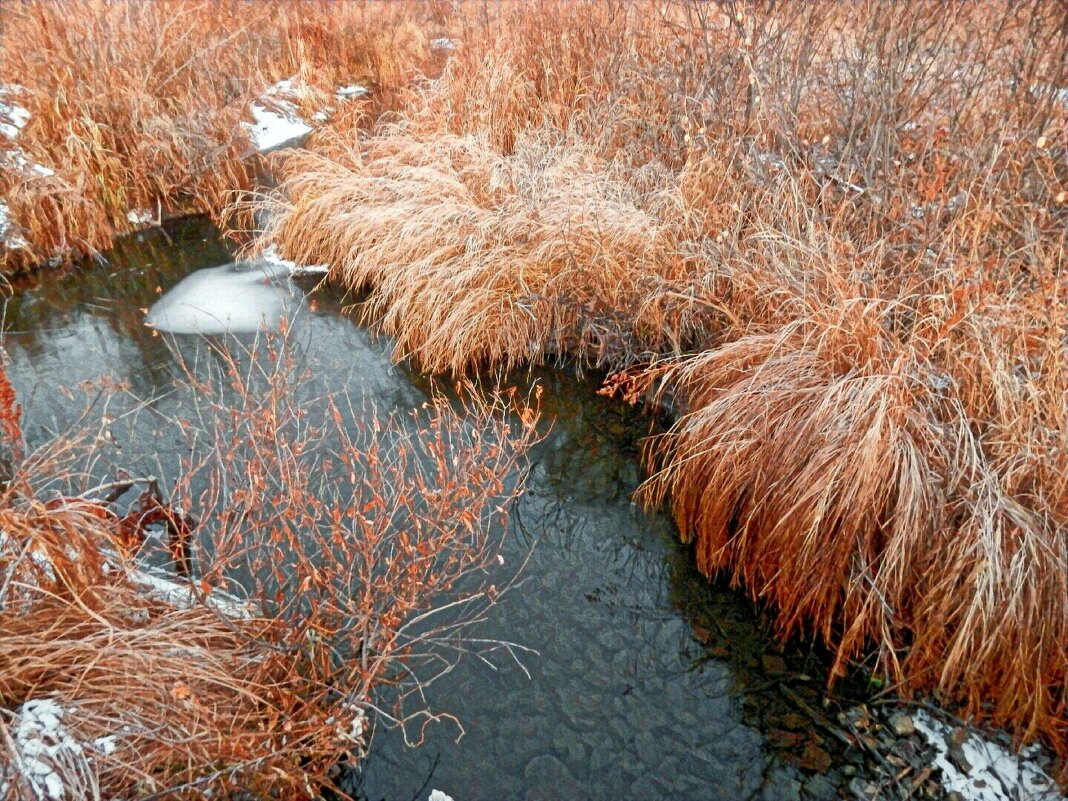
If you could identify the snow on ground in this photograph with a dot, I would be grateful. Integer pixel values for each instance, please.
(8, 236)
(279, 125)
(444, 44)
(272, 130)
(437, 795)
(352, 91)
(13, 117)
(993, 774)
(46, 756)
(179, 593)
(26, 165)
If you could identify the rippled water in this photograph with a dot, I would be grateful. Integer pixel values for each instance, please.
(648, 682)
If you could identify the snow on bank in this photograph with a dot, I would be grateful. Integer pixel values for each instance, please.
(277, 122)
(437, 795)
(13, 117)
(351, 92)
(276, 264)
(9, 238)
(141, 217)
(272, 130)
(980, 770)
(45, 756)
(444, 44)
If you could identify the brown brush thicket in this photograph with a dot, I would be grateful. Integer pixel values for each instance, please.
(138, 106)
(831, 235)
(326, 572)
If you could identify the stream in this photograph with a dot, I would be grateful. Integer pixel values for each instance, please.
(648, 682)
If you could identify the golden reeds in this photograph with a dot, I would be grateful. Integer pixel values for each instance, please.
(137, 107)
(831, 235)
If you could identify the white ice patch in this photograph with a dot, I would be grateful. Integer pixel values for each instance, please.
(141, 217)
(995, 774)
(353, 91)
(273, 130)
(444, 44)
(437, 795)
(234, 298)
(46, 756)
(9, 238)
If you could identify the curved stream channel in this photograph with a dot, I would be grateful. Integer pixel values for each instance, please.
(649, 683)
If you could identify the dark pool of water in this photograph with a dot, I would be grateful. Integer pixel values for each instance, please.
(648, 682)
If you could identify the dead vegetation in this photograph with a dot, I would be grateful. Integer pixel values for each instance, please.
(137, 107)
(832, 235)
(325, 573)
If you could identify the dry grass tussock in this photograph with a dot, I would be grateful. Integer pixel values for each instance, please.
(476, 257)
(138, 106)
(831, 235)
(304, 612)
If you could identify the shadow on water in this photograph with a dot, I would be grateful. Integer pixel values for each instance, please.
(648, 683)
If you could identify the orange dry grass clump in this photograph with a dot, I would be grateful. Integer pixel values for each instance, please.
(476, 257)
(831, 235)
(153, 695)
(138, 106)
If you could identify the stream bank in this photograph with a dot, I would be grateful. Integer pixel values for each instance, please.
(648, 682)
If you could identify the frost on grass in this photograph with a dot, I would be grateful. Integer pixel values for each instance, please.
(984, 771)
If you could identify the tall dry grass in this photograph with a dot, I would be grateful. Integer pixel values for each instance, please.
(831, 235)
(138, 106)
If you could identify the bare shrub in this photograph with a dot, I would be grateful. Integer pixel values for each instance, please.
(326, 569)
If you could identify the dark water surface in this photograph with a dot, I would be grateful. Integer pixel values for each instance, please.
(648, 682)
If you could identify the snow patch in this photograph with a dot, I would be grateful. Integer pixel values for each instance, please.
(444, 43)
(141, 217)
(13, 118)
(995, 774)
(9, 238)
(46, 756)
(181, 594)
(24, 164)
(273, 259)
(272, 130)
(437, 795)
(278, 124)
(350, 92)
